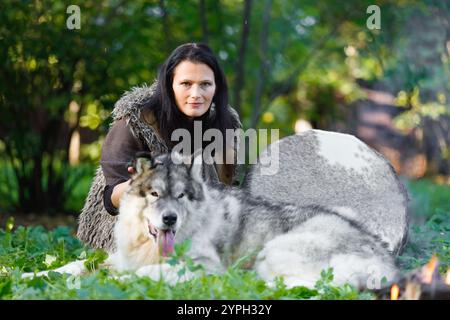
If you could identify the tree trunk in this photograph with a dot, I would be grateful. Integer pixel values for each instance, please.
(204, 21)
(166, 25)
(219, 19)
(73, 128)
(240, 66)
(261, 79)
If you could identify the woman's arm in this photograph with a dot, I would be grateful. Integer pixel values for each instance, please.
(119, 148)
(119, 189)
(117, 193)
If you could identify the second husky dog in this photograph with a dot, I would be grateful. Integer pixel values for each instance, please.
(225, 224)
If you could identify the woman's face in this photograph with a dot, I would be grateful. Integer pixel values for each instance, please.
(194, 87)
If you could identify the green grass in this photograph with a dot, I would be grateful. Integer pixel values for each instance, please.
(35, 248)
(430, 225)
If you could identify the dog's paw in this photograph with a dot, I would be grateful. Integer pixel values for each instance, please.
(28, 275)
(169, 274)
(154, 271)
(75, 268)
(121, 277)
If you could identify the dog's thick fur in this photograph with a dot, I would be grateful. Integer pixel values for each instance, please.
(225, 224)
(136, 248)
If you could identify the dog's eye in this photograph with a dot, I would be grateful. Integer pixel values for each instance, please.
(181, 195)
(154, 194)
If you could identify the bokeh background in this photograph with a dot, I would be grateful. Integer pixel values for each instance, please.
(290, 64)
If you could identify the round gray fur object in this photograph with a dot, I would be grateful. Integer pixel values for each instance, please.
(337, 171)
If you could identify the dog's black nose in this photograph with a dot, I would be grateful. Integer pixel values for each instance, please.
(169, 218)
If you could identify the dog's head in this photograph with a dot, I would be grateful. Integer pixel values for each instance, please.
(173, 186)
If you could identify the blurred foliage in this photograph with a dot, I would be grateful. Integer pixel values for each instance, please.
(416, 69)
(418, 110)
(69, 199)
(55, 81)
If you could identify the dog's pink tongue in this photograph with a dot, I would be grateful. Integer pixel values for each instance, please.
(167, 242)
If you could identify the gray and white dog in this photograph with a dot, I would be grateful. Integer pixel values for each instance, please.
(225, 224)
(337, 216)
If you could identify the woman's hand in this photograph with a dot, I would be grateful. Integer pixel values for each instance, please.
(119, 189)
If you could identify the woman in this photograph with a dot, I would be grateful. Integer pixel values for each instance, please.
(190, 87)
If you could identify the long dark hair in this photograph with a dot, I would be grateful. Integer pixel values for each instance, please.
(163, 104)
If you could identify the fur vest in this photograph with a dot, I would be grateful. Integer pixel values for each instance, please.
(95, 224)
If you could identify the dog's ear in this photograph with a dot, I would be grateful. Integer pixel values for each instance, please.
(143, 161)
(177, 158)
(196, 167)
(210, 169)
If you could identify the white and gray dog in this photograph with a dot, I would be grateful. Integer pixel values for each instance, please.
(226, 223)
(170, 201)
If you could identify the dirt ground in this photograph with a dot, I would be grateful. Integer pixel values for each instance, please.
(49, 222)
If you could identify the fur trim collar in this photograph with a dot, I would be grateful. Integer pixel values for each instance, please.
(131, 102)
(129, 107)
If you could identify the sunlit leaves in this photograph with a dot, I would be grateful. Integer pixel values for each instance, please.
(417, 110)
(93, 117)
(9, 224)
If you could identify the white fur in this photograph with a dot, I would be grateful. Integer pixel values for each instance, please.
(135, 246)
(350, 152)
(346, 212)
(289, 255)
